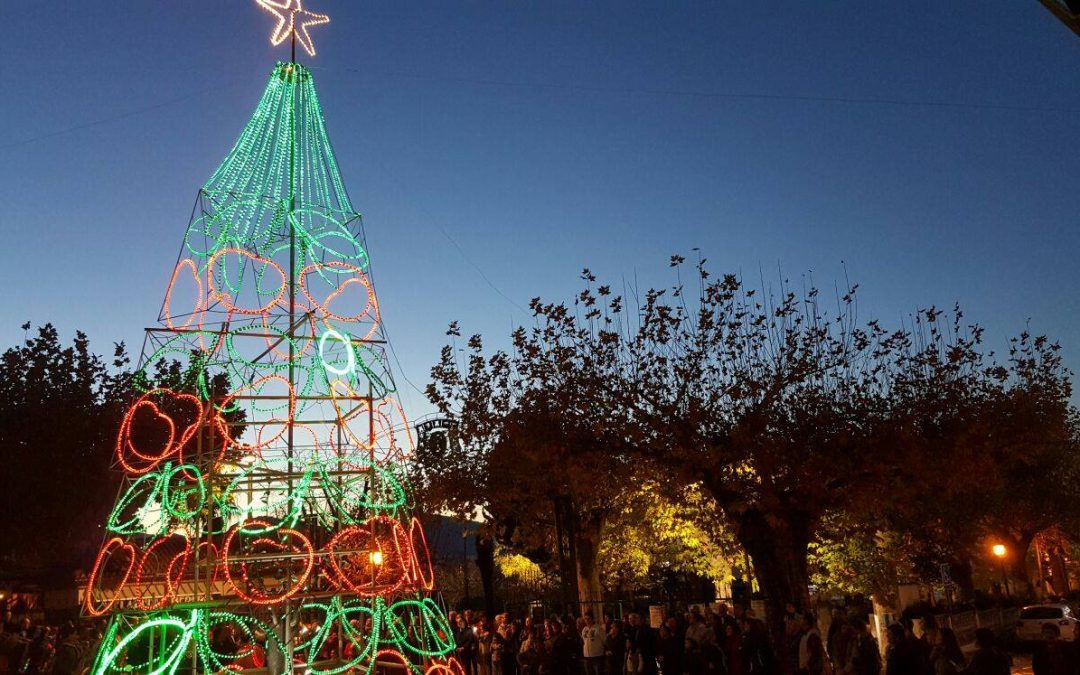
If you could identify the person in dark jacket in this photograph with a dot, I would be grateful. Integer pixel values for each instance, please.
(730, 645)
(1053, 657)
(842, 644)
(668, 652)
(988, 659)
(865, 657)
(465, 637)
(920, 647)
(641, 642)
(756, 656)
(511, 641)
(615, 649)
(838, 623)
(901, 657)
(817, 662)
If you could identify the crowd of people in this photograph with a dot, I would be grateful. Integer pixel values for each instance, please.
(729, 641)
(28, 646)
(722, 641)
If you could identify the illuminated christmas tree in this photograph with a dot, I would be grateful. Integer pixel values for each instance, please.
(265, 521)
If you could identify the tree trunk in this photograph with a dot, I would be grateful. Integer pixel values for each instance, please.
(1018, 568)
(565, 546)
(587, 533)
(485, 562)
(1059, 576)
(778, 545)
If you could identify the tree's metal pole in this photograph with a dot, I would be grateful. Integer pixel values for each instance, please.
(371, 465)
(465, 565)
(294, 74)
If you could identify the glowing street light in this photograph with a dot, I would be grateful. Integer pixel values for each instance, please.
(375, 557)
(999, 552)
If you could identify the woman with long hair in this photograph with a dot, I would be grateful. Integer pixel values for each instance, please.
(946, 656)
(732, 644)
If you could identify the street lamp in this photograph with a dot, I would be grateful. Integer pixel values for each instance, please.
(1000, 551)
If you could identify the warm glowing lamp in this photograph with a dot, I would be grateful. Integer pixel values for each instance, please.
(999, 552)
(375, 557)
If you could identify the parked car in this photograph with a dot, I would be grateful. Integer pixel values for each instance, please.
(1033, 617)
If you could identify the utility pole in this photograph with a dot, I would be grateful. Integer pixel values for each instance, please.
(465, 564)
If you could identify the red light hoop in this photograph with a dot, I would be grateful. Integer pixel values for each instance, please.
(451, 667)
(255, 389)
(421, 571)
(213, 555)
(239, 573)
(173, 572)
(195, 316)
(353, 565)
(368, 310)
(225, 297)
(138, 460)
(99, 571)
(392, 656)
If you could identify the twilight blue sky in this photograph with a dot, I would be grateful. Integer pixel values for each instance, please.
(521, 141)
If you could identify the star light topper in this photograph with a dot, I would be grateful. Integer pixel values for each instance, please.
(289, 13)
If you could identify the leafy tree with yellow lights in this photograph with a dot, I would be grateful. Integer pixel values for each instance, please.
(659, 531)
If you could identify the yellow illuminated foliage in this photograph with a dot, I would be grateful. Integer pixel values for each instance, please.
(654, 533)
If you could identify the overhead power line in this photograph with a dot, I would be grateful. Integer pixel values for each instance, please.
(762, 96)
(645, 91)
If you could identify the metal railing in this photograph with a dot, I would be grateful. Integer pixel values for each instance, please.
(964, 624)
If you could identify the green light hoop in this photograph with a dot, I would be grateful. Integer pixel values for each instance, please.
(283, 511)
(109, 660)
(433, 621)
(176, 499)
(338, 613)
(215, 662)
(388, 493)
(148, 489)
